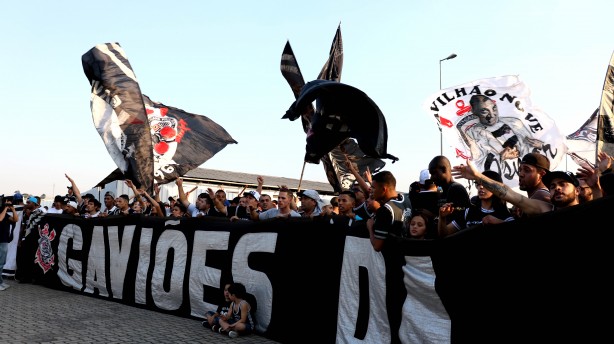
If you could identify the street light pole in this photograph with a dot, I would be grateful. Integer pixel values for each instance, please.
(440, 131)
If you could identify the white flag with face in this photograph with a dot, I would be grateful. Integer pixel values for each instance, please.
(494, 123)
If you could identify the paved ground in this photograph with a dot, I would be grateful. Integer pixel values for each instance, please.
(36, 314)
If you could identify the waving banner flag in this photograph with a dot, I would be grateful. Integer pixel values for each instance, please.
(119, 113)
(334, 65)
(292, 73)
(493, 122)
(582, 142)
(339, 177)
(605, 127)
(342, 112)
(181, 141)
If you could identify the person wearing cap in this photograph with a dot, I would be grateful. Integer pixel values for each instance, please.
(311, 203)
(563, 188)
(533, 167)
(75, 191)
(71, 208)
(245, 212)
(109, 204)
(428, 197)
(327, 208)
(36, 214)
(17, 197)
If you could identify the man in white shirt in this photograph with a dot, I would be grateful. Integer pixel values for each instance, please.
(58, 205)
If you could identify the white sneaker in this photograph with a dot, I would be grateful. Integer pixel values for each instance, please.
(233, 334)
(4, 286)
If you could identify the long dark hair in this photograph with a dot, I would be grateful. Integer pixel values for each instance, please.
(496, 201)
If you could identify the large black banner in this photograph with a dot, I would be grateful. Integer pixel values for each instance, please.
(544, 278)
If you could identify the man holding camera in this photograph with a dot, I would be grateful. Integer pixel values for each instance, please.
(8, 216)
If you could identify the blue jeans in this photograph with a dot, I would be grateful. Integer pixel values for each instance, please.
(4, 249)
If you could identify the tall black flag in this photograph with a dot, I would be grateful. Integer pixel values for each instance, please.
(343, 111)
(605, 126)
(169, 142)
(338, 175)
(119, 113)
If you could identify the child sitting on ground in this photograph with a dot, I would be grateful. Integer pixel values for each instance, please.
(213, 318)
(239, 320)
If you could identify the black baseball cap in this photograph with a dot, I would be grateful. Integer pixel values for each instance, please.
(537, 160)
(567, 176)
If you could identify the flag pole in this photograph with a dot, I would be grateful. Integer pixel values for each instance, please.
(301, 180)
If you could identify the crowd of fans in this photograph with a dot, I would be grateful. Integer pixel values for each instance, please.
(436, 201)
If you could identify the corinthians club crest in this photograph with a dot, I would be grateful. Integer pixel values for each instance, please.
(44, 254)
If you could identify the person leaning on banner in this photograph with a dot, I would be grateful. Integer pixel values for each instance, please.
(490, 210)
(384, 228)
(311, 203)
(248, 211)
(72, 208)
(283, 210)
(563, 188)
(195, 210)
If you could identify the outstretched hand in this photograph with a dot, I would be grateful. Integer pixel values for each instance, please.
(589, 174)
(468, 171)
(605, 161)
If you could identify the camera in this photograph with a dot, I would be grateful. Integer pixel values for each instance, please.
(7, 201)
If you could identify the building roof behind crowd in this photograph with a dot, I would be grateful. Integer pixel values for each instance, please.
(249, 179)
(231, 181)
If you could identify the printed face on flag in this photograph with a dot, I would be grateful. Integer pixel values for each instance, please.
(493, 122)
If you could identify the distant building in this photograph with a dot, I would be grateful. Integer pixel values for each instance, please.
(231, 182)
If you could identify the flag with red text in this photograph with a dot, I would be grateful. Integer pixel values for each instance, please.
(494, 122)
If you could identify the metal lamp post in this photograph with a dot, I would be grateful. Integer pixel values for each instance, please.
(440, 131)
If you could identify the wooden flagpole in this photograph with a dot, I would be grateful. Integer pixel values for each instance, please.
(301, 180)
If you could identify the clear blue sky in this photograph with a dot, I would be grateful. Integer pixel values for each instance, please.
(221, 59)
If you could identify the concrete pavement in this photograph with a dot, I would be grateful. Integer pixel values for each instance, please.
(35, 314)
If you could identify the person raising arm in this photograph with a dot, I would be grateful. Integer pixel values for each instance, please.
(528, 206)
